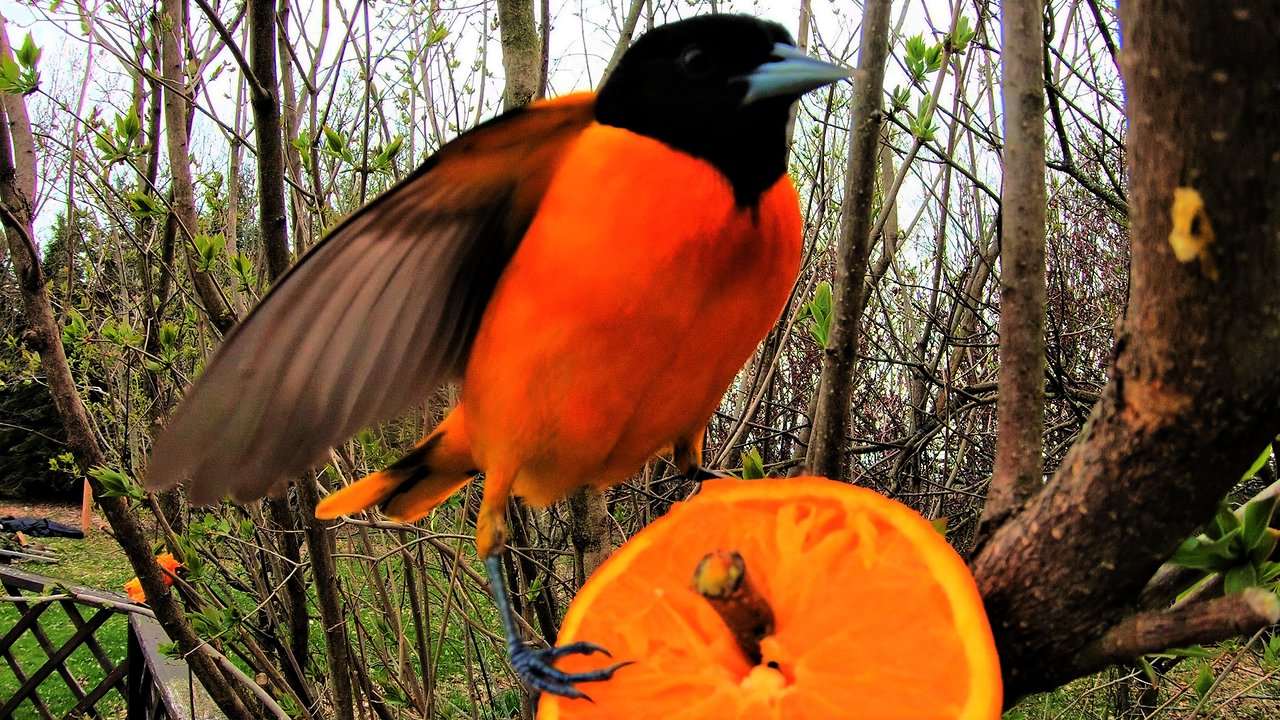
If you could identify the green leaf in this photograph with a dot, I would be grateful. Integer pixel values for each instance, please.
(1271, 654)
(75, 330)
(168, 334)
(1257, 518)
(28, 54)
(1239, 578)
(1260, 552)
(1203, 682)
(142, 206)
(921, 124)
(437, 34)
(242, 266)
(10, 76)
(901, 98)
(535, 587)
(1148, 671)
(207, 623)
(818, 312)
(1193, 651)
(1223, 523)
(115, 483)
(128, 126)
(1258, 464)
(335, 142)
(393, 147)
(915, 48)
(108, 148)
(1203, 553)
(933, 57)
(121, 334)
(963, 35)
(752, 465)
(209, 248)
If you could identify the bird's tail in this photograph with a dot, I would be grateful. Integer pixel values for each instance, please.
(415, 484)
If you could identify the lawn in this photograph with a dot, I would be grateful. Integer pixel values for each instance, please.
(95, 561)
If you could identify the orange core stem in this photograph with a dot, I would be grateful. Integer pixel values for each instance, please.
(721, 578)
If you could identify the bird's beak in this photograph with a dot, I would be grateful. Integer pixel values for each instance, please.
(790, 72)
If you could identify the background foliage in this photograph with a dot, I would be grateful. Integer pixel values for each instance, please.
(144, 282)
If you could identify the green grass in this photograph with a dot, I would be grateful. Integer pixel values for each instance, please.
(82, 665)
(95, 561)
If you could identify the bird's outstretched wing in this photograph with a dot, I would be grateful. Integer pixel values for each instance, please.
(376, 316)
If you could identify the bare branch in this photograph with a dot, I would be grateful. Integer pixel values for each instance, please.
(831, 415)
(1200, 623)
(1019, 465)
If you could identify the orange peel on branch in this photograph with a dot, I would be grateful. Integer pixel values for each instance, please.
(874, 614)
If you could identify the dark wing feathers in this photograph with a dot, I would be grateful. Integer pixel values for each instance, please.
(376, 316)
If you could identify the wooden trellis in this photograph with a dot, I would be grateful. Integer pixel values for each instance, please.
(148, 682)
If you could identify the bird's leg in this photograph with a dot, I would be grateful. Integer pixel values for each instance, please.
(535, 667)
(699, 473)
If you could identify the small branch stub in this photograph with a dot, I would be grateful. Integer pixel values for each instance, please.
(721, 578)
(1205, 622)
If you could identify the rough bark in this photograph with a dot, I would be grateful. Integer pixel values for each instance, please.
(323, 571)
(520, 55)
(1195, 389)
(589, 531)
(1019, 465)
(17, 191)
(827, 439)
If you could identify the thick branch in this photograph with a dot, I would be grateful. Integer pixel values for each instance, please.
(319, 534)
(1195, 389)
(269, 135)
(624, 38)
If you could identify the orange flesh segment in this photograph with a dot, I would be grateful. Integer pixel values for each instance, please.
(877, 617)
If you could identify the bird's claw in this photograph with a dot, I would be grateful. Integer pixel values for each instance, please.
(536, 668)
(699, 473)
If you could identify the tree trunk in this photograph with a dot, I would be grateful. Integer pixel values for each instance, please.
(520, 55)
(1019, 467)
(43, 336)
(177, 112)
(828, 436)
(1195, 389)
(323, 571)
(268, 135)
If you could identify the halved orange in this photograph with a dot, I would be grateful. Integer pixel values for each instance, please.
(876, 615)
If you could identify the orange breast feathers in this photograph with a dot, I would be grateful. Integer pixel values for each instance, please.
(633, 300)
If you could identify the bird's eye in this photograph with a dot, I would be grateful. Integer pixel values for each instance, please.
(696, 61)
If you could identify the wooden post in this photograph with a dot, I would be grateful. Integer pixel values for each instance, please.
(86, 508)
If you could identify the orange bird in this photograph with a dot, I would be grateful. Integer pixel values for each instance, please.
(595, 268)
